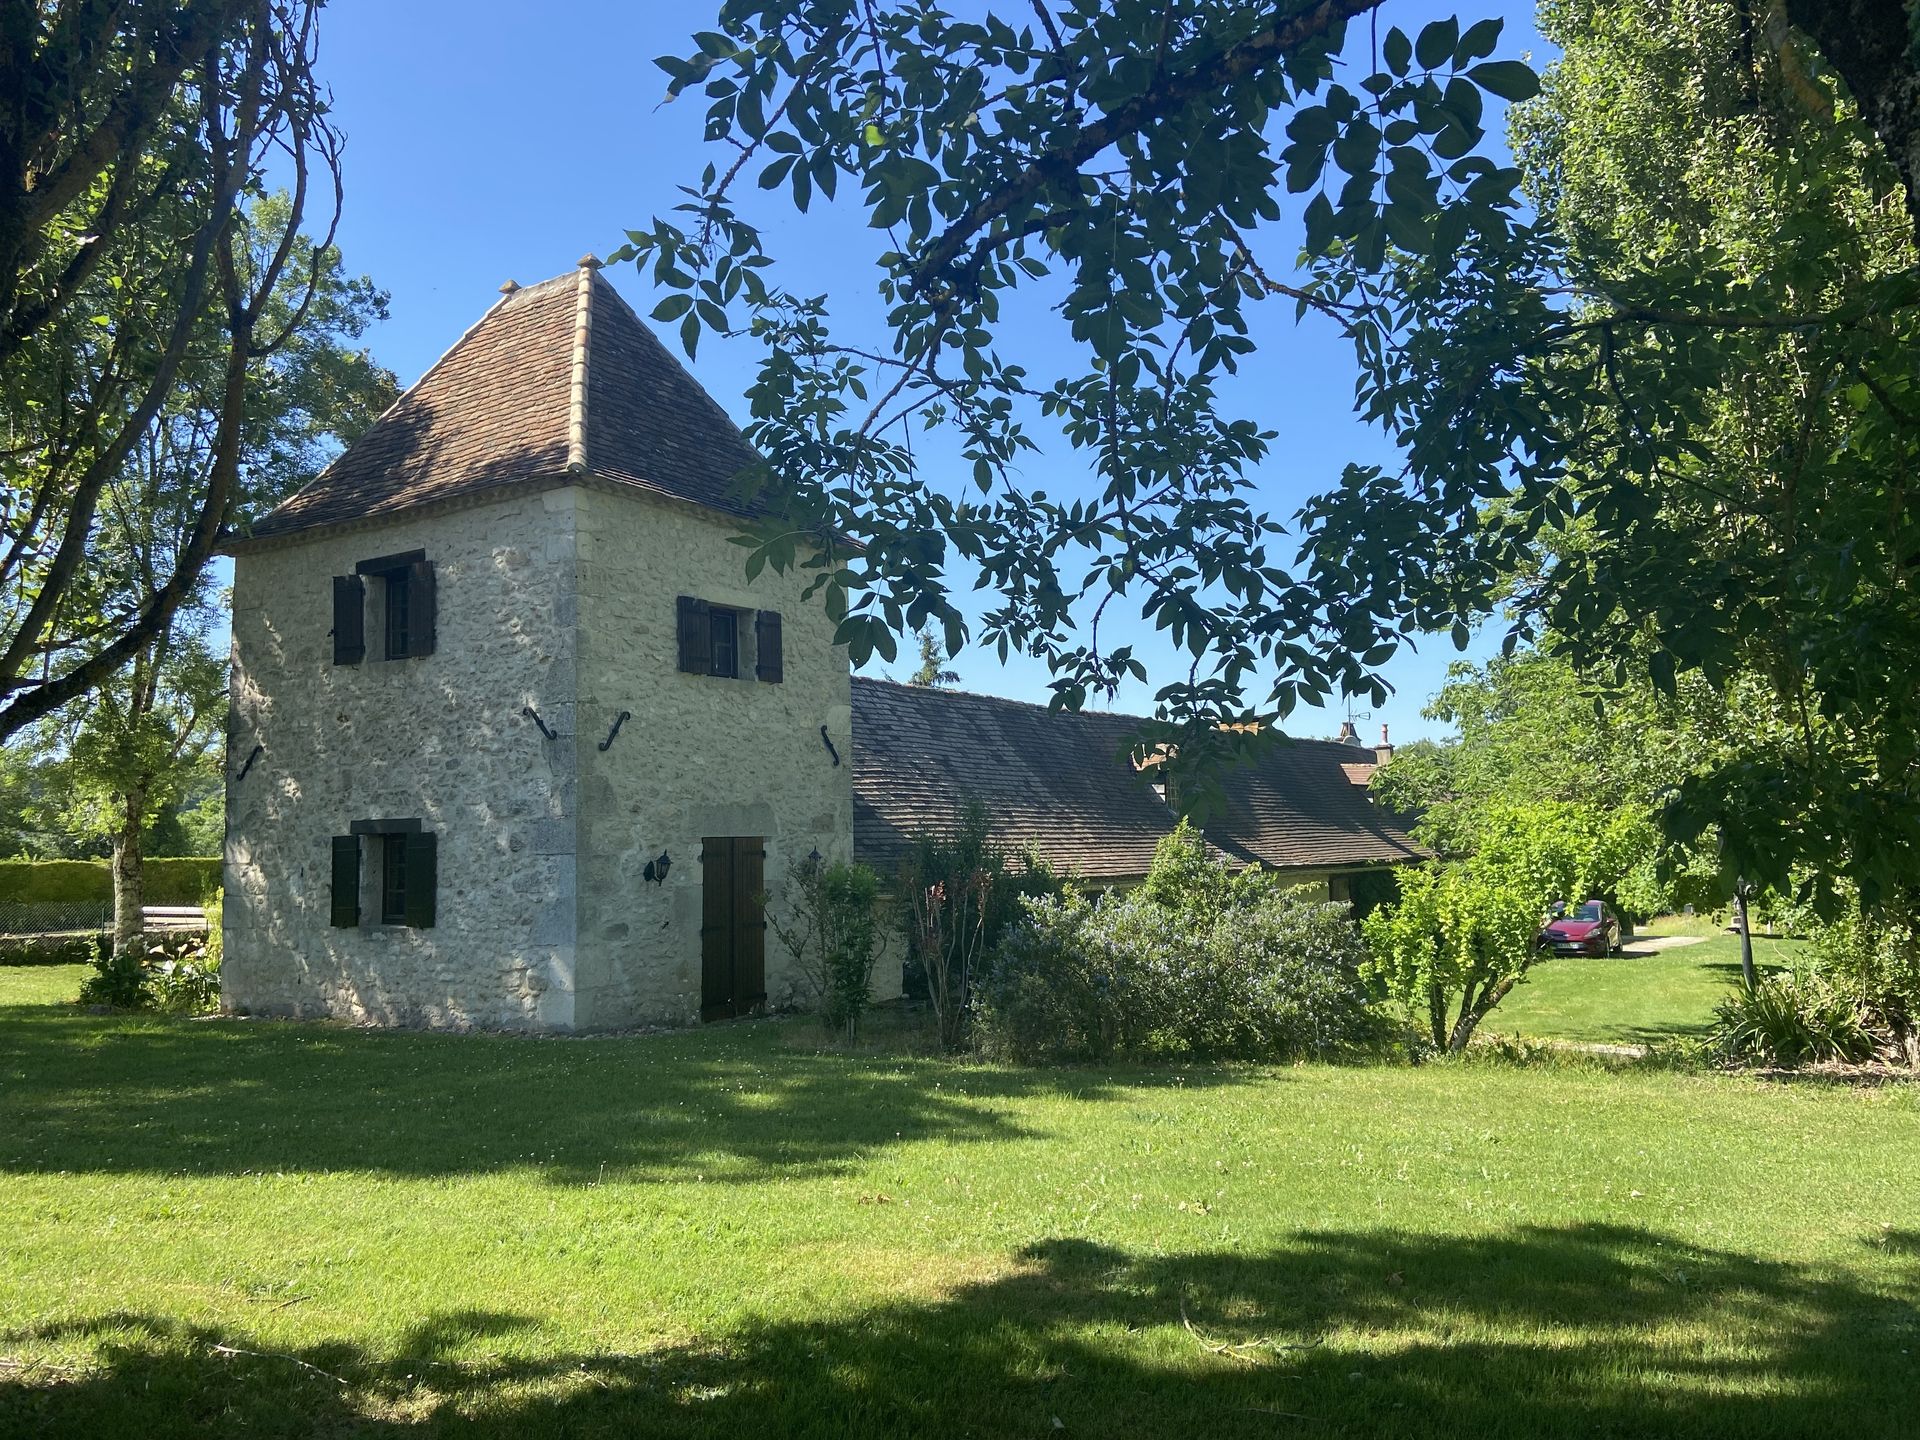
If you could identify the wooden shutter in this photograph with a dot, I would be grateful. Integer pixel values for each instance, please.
(346, 880)
(769, 661)
(423, 876)
(422, 619)
(733, 929)
(696, 635)
(349, 619)
(749, 925)
(716, 928)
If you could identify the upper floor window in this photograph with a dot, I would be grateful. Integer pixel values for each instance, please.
(714, 640)
(395, 583)
(402, 597)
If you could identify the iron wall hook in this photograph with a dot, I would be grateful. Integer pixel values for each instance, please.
(534, 715)
(618, 721)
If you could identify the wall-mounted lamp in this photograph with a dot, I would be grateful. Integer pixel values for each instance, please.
(814, 857)
(657, 868)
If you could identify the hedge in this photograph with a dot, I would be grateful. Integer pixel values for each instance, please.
(173, 881)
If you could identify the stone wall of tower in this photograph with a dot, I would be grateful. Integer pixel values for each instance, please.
(700, 756)
(441, 738)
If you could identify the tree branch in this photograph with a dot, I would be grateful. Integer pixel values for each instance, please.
(1255, 55)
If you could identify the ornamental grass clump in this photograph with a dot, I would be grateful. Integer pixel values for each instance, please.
(1788, 1021)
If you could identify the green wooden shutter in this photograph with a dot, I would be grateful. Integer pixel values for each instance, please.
(696, 636)
(346, 881)
(349, 619)
(423, 877)
(716, 928)
(422, 613)
(769, 658)
(749, 925)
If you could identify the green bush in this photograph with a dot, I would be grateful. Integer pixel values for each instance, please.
(26, 882)
(118, 979)
(183, 976)
(831, 929)
(1788, 1021)
(1192, 966)
(959, 893)
(182, 880)
(188, 880)
(176, 974)
(1453, 946)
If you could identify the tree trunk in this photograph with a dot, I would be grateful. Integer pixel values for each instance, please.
(129, 880)
(1748, 976)
(1870, 43)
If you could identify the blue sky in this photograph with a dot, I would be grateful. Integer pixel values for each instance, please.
(498, 139)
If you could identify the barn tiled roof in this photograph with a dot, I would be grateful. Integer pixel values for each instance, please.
(557, 382)
(1064, 784)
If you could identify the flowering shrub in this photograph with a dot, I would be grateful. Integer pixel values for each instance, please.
(1195, 966)
(961, 891)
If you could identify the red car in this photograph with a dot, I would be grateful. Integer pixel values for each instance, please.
(1586, 929)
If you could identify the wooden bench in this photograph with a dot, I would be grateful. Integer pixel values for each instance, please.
(162, 918)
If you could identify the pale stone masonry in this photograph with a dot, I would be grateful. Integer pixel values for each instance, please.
(516, 744)
(556, 591)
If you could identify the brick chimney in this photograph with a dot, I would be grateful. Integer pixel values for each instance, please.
(1383, 752)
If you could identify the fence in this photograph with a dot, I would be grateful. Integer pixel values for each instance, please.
(22, 918)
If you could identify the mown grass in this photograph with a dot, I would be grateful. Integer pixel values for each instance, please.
(269, 1229)
(1632, 999)
(41, 984)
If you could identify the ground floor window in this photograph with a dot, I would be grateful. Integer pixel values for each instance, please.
(393, 879)
(404, 860)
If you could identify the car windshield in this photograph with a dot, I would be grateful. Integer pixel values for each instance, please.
(1588, 911)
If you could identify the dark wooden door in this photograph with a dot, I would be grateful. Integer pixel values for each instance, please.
(733, 926)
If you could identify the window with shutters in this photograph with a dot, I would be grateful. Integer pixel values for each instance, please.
(399, 590)
(729, 642)
(405, 864)
(393, 879)
(723, 644)
(395, 587)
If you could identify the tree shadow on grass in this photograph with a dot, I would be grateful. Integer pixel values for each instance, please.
(1591, 1331)
(137, 1094)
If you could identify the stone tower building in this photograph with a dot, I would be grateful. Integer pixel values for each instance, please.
(514, 741)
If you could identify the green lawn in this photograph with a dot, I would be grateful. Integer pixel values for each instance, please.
(1622, 1000)
(277, 1230)
(41, 984)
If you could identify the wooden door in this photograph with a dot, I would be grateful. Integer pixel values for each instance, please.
(733, 926)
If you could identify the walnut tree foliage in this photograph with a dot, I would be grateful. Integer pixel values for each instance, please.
(1658, 407)
(1120, 167)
